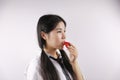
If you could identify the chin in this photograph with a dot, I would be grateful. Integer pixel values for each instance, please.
(60, 48)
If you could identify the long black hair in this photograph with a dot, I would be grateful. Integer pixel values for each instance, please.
(46, 24)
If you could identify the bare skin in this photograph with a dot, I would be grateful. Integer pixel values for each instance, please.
(73, 55)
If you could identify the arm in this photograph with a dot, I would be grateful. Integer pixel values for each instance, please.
(73, 55)
(77, 70)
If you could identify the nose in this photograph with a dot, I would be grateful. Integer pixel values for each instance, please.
(63, 36)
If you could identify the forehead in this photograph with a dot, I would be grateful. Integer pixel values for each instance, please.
(60, 25)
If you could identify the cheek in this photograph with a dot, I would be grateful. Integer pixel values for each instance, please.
(58, 38)
(55, 39)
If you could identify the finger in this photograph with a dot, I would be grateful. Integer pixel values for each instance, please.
(72, 45)
(73, 57)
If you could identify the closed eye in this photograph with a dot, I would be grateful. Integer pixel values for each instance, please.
(59, 31)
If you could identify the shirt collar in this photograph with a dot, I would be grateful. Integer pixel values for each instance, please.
(58, 53)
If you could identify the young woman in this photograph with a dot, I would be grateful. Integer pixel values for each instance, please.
(53, 63)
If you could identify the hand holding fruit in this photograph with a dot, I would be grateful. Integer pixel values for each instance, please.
(73, 51)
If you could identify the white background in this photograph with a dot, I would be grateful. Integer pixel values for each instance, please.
(92, 25)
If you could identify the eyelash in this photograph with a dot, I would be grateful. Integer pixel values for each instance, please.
(60, 31)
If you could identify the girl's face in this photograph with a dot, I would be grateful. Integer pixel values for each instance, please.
(56, 37)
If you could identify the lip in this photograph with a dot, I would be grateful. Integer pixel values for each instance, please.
(63, 43)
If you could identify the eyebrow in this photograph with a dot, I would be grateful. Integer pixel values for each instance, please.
(58, 28)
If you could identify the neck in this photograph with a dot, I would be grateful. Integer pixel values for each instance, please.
(52, 52)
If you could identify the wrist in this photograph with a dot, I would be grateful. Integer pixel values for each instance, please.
(74, 63)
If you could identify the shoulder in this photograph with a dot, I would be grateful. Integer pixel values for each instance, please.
(34, 63)
(32, 70)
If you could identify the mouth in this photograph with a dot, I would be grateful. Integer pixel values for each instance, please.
(62, 44)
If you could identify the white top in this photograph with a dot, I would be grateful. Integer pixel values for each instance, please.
(33, 68)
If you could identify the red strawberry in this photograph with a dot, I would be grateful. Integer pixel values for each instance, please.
(66, 44)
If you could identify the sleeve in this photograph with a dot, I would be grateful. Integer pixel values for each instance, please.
(32, 71)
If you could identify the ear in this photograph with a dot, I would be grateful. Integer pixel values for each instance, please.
(43, 35)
